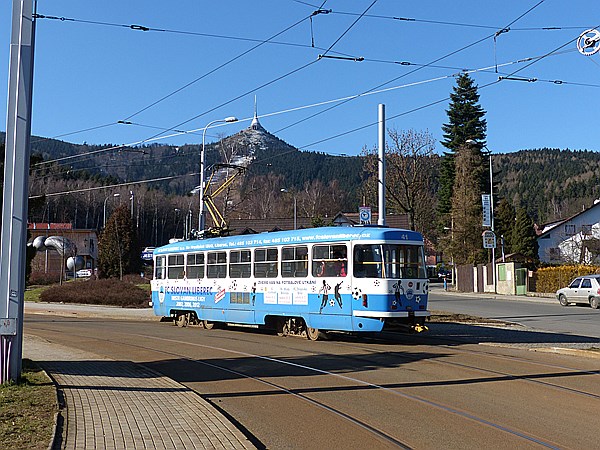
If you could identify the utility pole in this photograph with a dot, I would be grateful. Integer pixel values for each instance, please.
(381, 209)
(16, 190)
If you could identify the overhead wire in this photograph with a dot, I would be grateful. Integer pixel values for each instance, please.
(154, 137)
(261, 42)
(210, 72)
(337, 100)
(432, 103)
(268, 83)
(440, 100)
(97, 188)
(415, 70)
(272, 81)
(171, 31)
(459, 24)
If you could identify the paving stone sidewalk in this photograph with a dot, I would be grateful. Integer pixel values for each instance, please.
(122, 405)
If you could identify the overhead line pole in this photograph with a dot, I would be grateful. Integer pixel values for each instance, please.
(16, 183)
(381, 209)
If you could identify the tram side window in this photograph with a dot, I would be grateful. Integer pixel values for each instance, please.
(329, 260)
(265, 262)
(195, 265)
(294, 261)
(216, 264)
(239, 264)
(159, 268)
(175, 268)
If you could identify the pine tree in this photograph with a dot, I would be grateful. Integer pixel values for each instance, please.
(466, 245)
(524, 239)
(466, 121)
(504, 223)
(118, 253)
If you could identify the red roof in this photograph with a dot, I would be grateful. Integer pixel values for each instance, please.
(49, 226)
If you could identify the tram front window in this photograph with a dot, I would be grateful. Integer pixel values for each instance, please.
(389, 261)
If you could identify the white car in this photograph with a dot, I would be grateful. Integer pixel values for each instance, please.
(84, 273)
(584, 289)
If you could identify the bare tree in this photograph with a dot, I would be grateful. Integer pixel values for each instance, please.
(411, 174)
(261, 195)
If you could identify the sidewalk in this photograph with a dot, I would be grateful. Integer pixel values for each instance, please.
(438, 289)
(122, 405)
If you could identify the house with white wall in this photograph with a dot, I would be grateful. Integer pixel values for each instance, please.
(570, 240)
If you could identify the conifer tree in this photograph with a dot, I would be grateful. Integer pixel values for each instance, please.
(465, 121)
(118, 252)
(524, 239)
(504, 223)
(466, 245)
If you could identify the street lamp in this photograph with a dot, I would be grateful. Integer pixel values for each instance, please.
(451, 229)
(131, 198)
(473, 142)
(295, 207)
(176, 220)
(201, 212)
(105, 200)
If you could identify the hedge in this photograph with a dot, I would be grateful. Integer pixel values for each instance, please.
(98, 292)
(550, 279)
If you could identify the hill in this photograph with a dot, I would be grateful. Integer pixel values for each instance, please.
(550, 183)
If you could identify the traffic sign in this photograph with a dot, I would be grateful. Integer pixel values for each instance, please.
(489, 239)
(487, 210)
(364, 214)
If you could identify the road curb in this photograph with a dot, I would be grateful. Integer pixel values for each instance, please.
(568, 351)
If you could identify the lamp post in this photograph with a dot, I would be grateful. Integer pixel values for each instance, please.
(473, 142)
(451, 229)
(105, 200)
(201, 212)
(176, 220)
(131, 198)
(295, 208)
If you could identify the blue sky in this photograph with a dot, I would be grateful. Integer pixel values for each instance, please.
(89, 74)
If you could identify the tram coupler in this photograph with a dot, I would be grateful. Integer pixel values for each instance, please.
(418, 328)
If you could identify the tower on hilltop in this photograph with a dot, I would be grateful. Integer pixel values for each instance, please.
(255, 125)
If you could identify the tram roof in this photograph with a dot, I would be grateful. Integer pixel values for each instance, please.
(292, 237)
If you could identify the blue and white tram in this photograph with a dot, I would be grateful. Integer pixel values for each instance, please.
(302, 282)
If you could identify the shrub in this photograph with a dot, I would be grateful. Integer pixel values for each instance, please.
(551, 279)
(110, 292)
(42, 279)
(136, 279)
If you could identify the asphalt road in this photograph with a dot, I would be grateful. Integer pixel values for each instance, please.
(541, 314)
(439, 390)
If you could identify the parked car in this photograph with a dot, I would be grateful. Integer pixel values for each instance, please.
(584, 289)
(84, 273)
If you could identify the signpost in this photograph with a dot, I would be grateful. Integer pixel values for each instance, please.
(489, 239)
(487, 210)
(364, 214)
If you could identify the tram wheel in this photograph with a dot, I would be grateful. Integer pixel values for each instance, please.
(313, 334)
(182, 320)
(208, 325)
(283, 327)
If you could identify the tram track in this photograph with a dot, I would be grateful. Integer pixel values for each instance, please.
(499, 375)
(304, 394)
